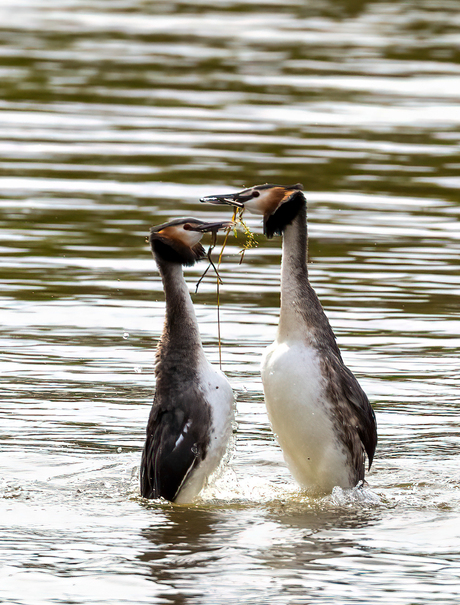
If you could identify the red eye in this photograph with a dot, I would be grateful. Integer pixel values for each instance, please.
(255, 194)
(187, 227)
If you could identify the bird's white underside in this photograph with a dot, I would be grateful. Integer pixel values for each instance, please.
(301, 415)
(219, 395)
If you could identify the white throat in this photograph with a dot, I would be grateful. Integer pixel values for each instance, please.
(292, 325)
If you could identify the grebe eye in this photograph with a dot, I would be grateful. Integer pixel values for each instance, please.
(187, 227)
(255, 194)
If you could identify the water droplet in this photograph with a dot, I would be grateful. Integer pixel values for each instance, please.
(194, 449)
(119, 450)
(125, 335)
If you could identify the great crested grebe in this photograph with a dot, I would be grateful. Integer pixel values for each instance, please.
(190, 422)
(320, 415)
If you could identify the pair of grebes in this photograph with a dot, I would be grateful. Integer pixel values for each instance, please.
(320, 415)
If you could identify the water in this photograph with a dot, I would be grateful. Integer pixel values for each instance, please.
(116, 116)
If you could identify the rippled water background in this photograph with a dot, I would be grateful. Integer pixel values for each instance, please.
(118, 115)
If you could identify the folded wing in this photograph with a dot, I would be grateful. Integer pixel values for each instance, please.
(176, 443)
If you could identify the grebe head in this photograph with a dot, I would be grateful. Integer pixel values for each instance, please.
(277, 204)
(178, 241)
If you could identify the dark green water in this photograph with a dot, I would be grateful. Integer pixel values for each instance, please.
(118, 115)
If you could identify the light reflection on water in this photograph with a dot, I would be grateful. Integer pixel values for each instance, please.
(115, 117)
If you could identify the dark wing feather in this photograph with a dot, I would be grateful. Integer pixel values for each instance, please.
(175, 444)
(344, 386)
(367, 426)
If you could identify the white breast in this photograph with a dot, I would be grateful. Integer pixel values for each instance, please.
(301, 416)
(219, 395)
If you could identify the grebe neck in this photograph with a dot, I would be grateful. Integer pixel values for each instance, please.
(302, 317)
(181, 326)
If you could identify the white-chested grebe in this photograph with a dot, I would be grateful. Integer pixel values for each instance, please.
(190, 422)
(320, 415)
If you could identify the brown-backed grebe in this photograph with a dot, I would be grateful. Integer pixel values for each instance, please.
(190, 422)
(320, 415)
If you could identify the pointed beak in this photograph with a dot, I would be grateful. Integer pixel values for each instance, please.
(232, 199)
(211, 227)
